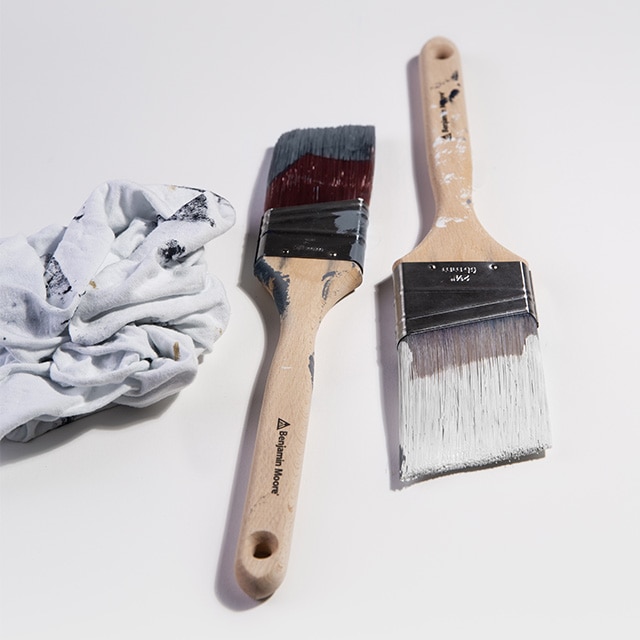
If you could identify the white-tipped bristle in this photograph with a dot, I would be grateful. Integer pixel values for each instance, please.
(471, 396)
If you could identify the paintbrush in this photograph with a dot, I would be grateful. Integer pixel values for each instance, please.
(310, 255)
(470, 372)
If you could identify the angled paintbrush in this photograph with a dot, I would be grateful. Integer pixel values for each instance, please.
(471, 384)
(310, 255)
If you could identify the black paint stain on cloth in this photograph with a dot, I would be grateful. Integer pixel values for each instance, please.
(172, 250)
(195, 210)
(56, 283)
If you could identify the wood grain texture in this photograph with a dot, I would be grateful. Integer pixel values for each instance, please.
(456, 235)
(304, 291)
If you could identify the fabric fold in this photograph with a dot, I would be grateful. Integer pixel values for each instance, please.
(115, 308)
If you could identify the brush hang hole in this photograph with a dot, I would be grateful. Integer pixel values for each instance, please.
(494, 266)
(443, 51)
(261, 551)
(263, 545)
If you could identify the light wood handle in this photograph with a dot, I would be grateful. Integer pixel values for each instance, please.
(446, 127)
(305, 290)
(456, 233)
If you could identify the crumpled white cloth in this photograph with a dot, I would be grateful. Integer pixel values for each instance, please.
(115, 308)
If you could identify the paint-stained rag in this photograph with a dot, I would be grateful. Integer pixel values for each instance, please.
(114, 308)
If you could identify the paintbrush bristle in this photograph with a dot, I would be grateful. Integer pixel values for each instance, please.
(321, 165)
(471, 396)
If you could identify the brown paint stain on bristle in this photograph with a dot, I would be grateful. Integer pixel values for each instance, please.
(314, 178)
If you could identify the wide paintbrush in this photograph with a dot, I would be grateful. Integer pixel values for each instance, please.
(471, 383)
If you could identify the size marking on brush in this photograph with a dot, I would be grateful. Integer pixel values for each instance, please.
(459, 273)
(281, 445)
(458, 268)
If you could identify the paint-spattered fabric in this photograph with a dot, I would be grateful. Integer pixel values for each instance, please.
(114, 308)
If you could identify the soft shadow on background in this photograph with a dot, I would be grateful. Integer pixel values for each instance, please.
(385, 297)
(114, 418)
(226, 587)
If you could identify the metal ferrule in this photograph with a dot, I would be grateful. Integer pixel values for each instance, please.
(434, 295)
(327, 230)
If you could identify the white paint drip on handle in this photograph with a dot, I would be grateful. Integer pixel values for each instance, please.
(443, 221)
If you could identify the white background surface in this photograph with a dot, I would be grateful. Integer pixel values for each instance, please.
(123, 525)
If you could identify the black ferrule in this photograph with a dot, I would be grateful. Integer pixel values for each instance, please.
(328, 230)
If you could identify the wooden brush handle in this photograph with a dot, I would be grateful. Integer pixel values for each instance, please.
(305, 289)
(456, 233)
(446, 127)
